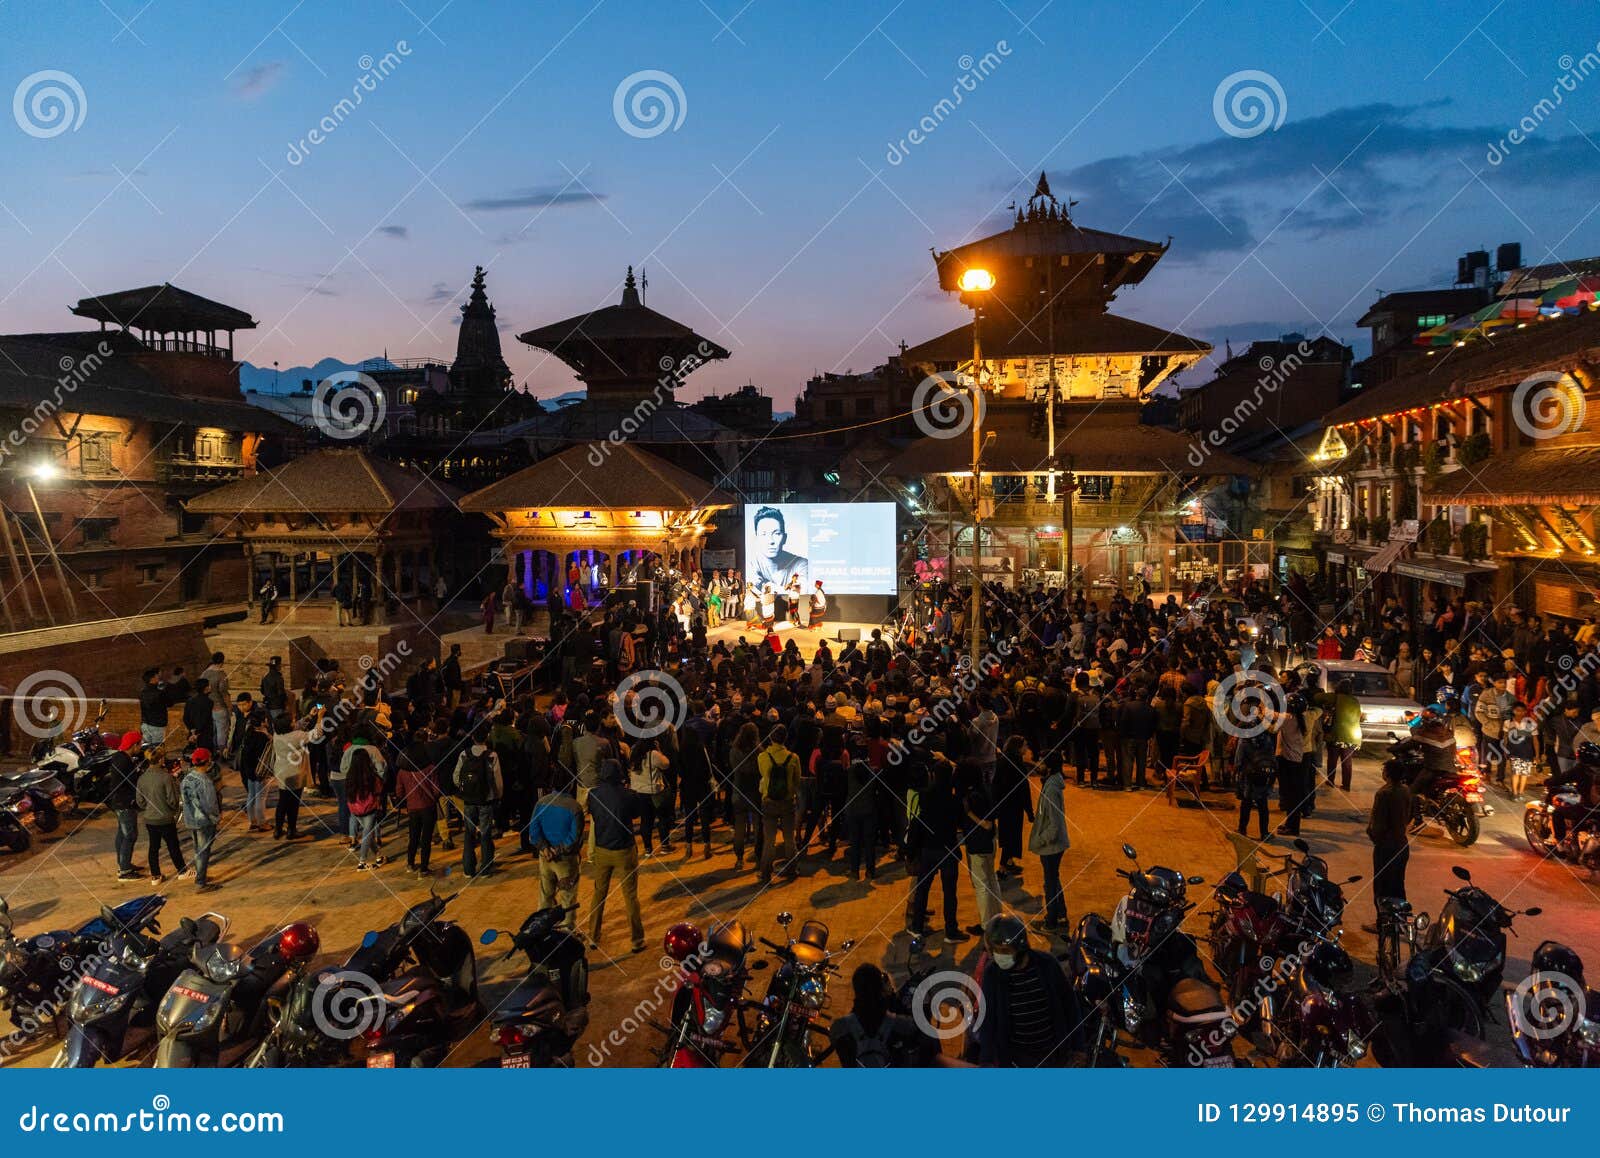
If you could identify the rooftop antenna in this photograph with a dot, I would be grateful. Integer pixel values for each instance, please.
(644, 285)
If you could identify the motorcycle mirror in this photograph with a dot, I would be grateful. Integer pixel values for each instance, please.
(1300, 845)
(369, 940)
(490, 936)
(1352, 880)
(1533, 912)
(785, 919)
(760, 963)
(1130, 852)
(1197, 880)
(4, 908)
(850, 943)
(1460, 873)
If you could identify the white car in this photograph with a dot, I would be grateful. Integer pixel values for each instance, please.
(1385, 709)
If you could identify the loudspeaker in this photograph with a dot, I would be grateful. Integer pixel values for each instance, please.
(849, 635)
(646, 589)
(520, 650)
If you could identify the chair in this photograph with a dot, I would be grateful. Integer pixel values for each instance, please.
(1187, 772)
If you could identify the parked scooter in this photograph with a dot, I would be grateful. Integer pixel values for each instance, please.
(540, 1021)
(787, 1018)
(1443, 992)
(714, 972)
(430, 1006)
(1553, 1014)
(323, 1010)
(1167, 997)
(115, 1002)
(17, 821)
(83, 762)
(216, 1011)
(39, 974)
(47, 794)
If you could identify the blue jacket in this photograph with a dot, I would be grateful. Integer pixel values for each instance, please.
(198, 798)
(556, 824)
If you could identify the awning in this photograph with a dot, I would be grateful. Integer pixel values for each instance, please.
(1385, 556)
(1452, 572)
(1534, 477)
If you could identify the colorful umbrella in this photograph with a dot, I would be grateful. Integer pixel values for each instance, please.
(1572, 293)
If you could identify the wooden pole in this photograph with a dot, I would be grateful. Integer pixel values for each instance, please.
(16, 567)
(55, 559)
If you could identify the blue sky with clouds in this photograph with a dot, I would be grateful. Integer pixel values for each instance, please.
(785, 210)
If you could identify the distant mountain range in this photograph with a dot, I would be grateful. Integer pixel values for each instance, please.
(266, 380)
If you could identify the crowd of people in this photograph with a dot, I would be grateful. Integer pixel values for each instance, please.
(900, 748)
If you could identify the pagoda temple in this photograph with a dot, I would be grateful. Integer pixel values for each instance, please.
(628, 352)
(1064, 382)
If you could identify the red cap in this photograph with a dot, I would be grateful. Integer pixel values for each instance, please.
(200, 757)
(129, 741)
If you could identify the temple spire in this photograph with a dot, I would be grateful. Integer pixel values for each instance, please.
(630, 290)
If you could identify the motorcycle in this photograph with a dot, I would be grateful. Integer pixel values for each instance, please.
(1457, 962)
(38, 974)
(117, 996)
(1551, 1014)
(1167, 998)
(787, 1017)
(1099, 979)
(323, 1010)
(711, 983)
(83, 762)
(1581, 845)
(539, 1023)
(17, 821)
(48, 797)
(425, 1010)
(1281, 967)
(217, 1009)
(1312, 900)
(1450, 799)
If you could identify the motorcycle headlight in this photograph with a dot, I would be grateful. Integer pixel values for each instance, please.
(1588, 1032)
(1354, 1046)
(812, 993)
(714, 1020)
(222, 969)
(1467, 971)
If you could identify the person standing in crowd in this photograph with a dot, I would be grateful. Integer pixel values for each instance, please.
(1255, 768)
(979, 842)
(201, 812)
(1030, 1016)
(275, 692)
(861, 815)
(417, 789)
(255, 767)
(477, 780)
(1343, 733)
(488, 608)
(1388, 827)
(934, 835)
(156, 794)
(215, 677)
(556, 832)
(290, 760)
(1049, 842)
(153, 705)
(1013, 802)
(612, 809)
(744, 779)
(122, 797)
(779, 771)
(198, 718)
(363, 796)
(1290, 728)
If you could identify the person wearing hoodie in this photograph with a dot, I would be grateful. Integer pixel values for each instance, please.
(613, 807)
(157, 797)
(1048, 841)
(197, 798)
(477, 780)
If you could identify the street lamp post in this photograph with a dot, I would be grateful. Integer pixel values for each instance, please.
(43, 472)
(975, 283)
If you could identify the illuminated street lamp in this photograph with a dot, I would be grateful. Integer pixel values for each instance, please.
(975, 285)
(43, 472)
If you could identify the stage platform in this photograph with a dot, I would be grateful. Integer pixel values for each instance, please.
(805, 639)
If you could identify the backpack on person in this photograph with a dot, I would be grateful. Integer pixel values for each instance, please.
(472, 778)
(874, 1050)
(780, 781)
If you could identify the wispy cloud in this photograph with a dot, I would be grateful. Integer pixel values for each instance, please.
(546, 198)
(439, 294)
(398, 232)
(259, 80)
(1315, 178)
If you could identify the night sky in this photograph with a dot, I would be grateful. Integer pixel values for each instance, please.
(781, 206)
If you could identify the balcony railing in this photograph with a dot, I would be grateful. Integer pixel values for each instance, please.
(186, 469)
